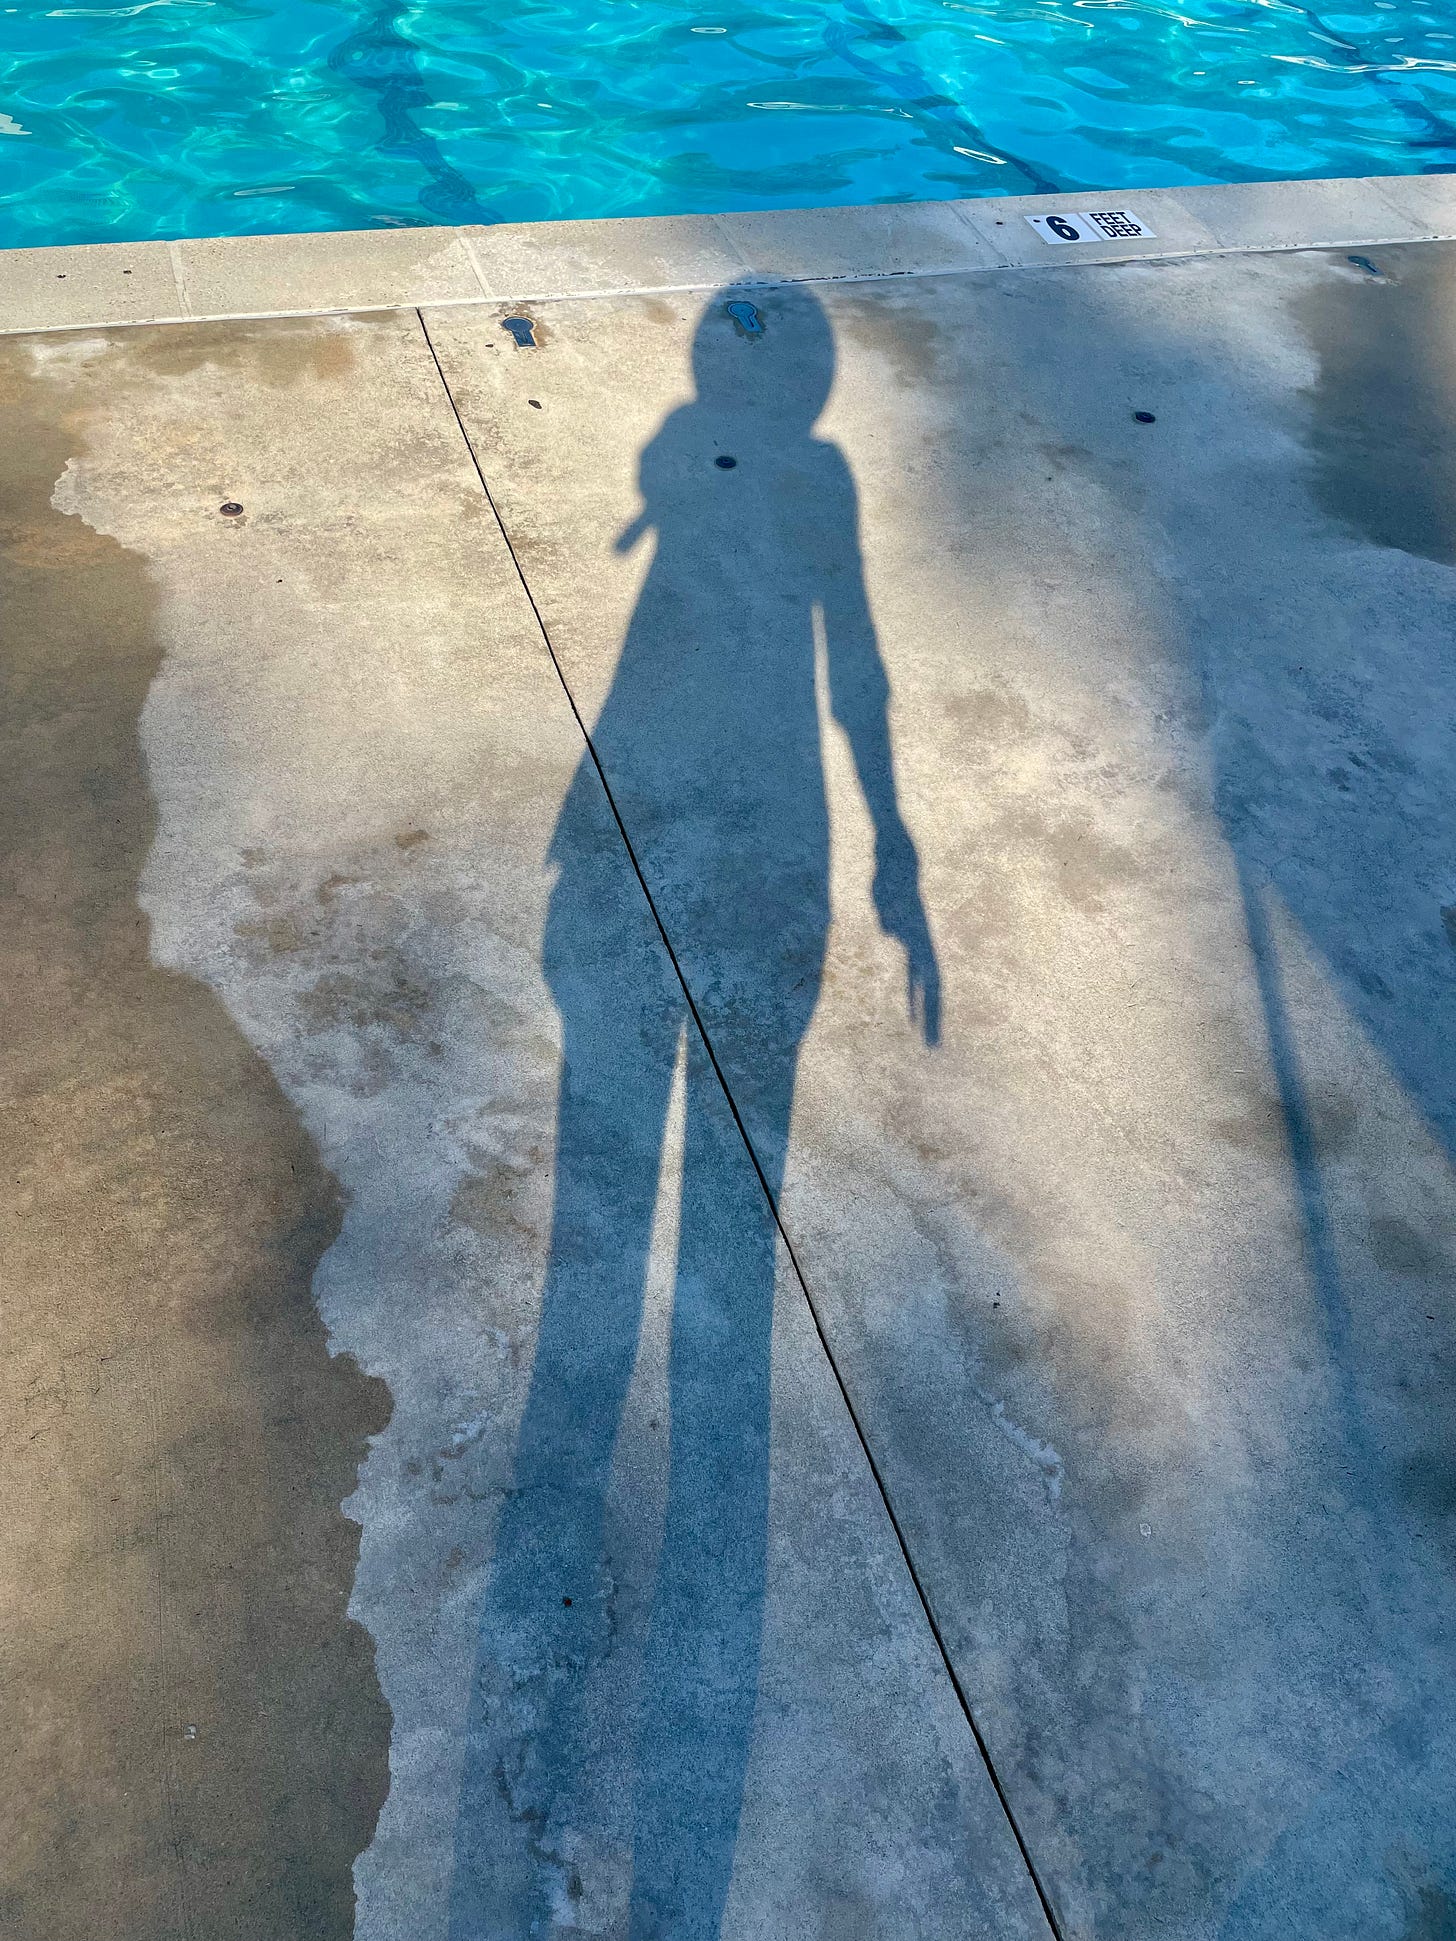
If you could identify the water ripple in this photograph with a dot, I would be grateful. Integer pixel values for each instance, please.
(209, 117)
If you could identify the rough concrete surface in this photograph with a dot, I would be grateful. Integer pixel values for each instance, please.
(70, 285)
(435, 1509)
(1141, 1278)
(630, 1635)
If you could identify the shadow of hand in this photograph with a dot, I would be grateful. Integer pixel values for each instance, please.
(902, 916)
(632, 533)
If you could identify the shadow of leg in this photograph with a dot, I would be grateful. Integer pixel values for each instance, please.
(547, 1622)
(701, 1681)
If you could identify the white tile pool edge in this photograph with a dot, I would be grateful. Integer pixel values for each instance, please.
(91, 285)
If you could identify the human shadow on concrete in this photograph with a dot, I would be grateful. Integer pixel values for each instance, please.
(709, 741)
(193, 1736)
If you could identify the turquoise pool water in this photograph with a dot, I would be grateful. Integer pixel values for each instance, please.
(228, 117)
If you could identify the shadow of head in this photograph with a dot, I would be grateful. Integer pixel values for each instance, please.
(768, 352)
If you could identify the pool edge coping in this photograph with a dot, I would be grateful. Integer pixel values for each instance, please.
(225, 279)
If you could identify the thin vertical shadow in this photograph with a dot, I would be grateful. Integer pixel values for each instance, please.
(709, 741)
(1299, 1130)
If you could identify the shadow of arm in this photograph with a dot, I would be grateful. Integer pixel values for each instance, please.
(859, 695)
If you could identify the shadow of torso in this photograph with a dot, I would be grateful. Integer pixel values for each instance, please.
(710, 734)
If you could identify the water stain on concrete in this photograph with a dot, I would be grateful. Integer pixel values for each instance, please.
(292, 350)
(909, 340)
(991, 717)
(493, 1201)
(1384, 402)
(1428, 1483)
(193, 1738)
(1433, 1918)
(1400, 1248)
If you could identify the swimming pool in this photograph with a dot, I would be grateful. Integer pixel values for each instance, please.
(165, 118)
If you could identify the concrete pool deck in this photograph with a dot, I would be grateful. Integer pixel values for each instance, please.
(379, 269)
(831, 1314)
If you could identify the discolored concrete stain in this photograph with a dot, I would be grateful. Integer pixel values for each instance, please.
(194, 1741)
(1383, 402)
(1433, 1917)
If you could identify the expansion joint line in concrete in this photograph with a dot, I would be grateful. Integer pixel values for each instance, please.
(962, 1696)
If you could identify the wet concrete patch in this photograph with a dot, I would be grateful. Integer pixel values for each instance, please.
(1382, 429)
(195, 1743)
